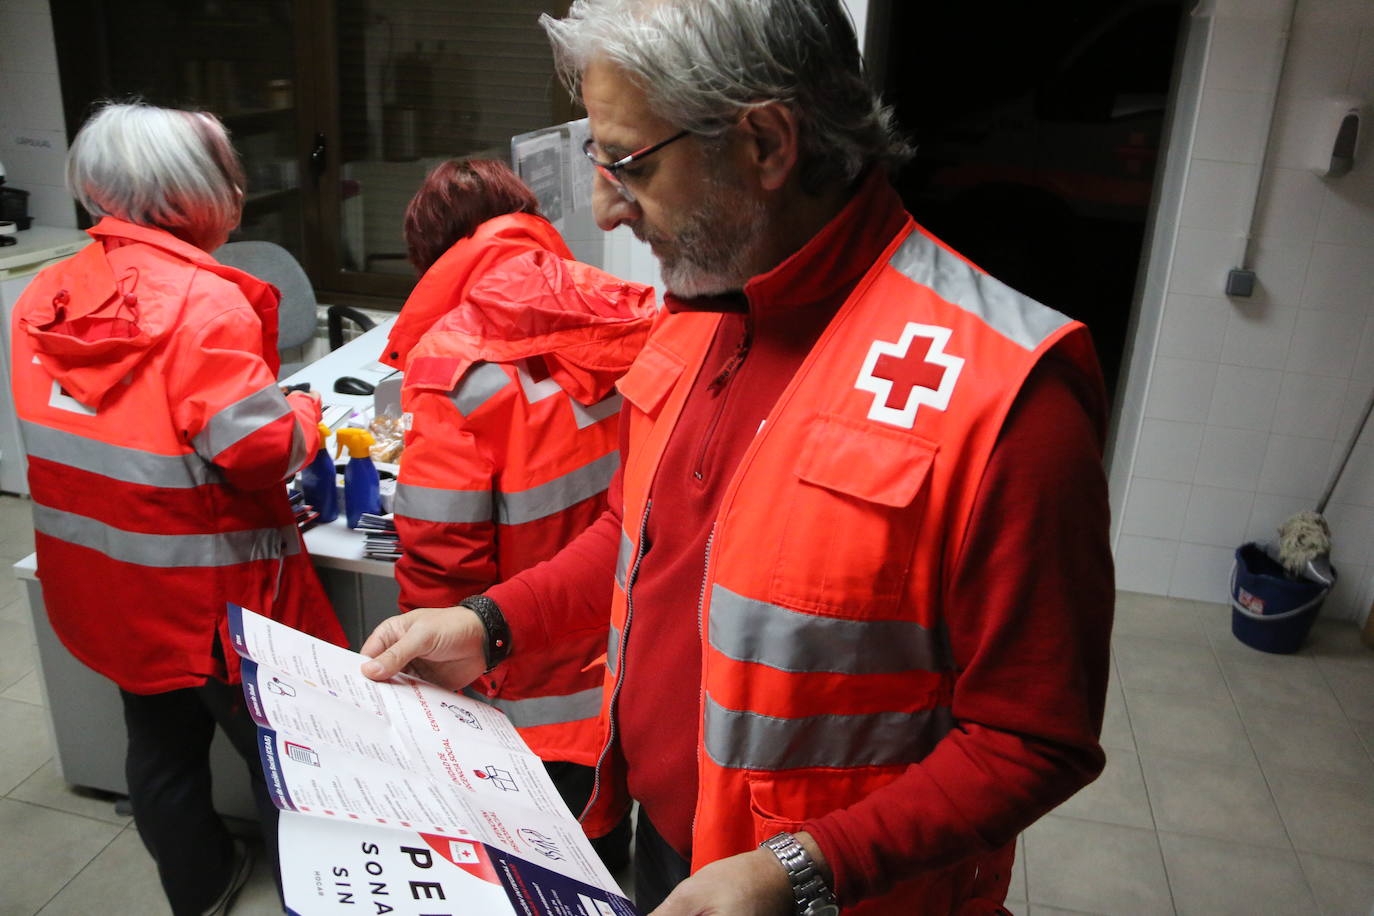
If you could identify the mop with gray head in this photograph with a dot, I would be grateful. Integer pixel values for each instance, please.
(1303, 538)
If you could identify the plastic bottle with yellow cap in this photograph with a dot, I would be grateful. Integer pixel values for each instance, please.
(319, 481)
(362, 492)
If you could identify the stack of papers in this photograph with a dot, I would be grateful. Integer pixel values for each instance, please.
(337, 416)
(402, 797)
(305, 514)
(381, 542)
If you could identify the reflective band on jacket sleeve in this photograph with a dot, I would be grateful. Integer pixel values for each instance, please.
(117, 462)
(1018, 318)
(240, 420)
(167, 551)
(432, 504)
(747, 740)
(749, 630)
(558, 494)
(536, 711)
(479, 384)
(613, 650)
(622, 559)
(299, 454)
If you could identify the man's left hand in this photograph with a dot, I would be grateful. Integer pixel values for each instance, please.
(749, 884)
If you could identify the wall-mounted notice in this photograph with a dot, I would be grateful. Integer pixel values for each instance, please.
(541, 160)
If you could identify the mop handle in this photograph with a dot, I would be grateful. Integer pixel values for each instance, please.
(1335, 478)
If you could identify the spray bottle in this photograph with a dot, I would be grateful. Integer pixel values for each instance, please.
(361, 491)
(320, 482)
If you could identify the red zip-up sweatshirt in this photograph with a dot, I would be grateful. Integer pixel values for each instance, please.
(1032, 659)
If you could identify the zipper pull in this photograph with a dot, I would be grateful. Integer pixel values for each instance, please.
(733, 363)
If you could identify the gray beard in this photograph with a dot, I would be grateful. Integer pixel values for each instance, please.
(715, 248)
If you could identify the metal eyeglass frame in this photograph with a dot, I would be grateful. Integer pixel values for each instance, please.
(608, 169)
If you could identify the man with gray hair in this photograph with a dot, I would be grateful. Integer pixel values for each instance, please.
(857, 555)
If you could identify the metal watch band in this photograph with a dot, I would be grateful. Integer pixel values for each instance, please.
(812, 895)
(497, 646)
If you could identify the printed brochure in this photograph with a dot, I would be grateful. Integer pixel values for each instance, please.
(402, 797)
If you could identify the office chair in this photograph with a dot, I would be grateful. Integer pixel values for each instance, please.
(296, 316)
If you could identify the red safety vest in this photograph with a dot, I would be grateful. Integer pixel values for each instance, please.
(826, 670)
(144, 377)
(513, 440)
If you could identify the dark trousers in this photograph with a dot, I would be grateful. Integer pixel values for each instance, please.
(168, 769)
(658, 867)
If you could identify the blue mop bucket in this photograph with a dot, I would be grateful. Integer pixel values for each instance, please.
(1271, 611)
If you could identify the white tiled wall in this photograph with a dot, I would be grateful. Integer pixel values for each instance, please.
(33, 140)
(1248, 403)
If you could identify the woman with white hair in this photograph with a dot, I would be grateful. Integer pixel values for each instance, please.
(158, 440)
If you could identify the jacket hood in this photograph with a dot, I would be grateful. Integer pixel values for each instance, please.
(582, 324)
(465, 263)
(95, 317)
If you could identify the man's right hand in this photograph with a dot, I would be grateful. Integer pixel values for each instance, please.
(441, 645)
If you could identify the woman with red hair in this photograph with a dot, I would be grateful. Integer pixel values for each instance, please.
(511, 351)
(469, 215)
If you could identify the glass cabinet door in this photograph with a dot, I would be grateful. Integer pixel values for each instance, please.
(339, 108)
(416, 83)
(235, 58)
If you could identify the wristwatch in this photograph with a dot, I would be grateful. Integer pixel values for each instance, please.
(809, 889)
(497, 646)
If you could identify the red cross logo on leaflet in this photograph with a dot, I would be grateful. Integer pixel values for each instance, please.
(904, 375)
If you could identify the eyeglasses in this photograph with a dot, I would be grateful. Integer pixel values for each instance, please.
(608, 170)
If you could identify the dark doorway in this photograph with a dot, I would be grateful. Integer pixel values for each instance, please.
(1038, 129)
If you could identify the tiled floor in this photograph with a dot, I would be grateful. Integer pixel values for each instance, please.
(1236, 782)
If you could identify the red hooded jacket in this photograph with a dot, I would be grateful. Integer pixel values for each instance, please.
(514, 427)
(144, 375)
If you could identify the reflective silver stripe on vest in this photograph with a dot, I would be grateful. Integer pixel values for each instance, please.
(117, 462)
(613, 649)
(167, 551)
(240, 420)
(573, 707)
(479, 384)
(558, 494)
(432, 504)
(1017, 317)
(749, 630)
(747, 740)
(622, 559)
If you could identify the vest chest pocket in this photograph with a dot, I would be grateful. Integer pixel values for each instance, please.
(852, 519)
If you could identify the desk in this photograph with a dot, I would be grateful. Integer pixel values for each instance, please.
(84, 712)
(362, 591)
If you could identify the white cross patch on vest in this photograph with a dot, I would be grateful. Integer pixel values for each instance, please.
(904, 375)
